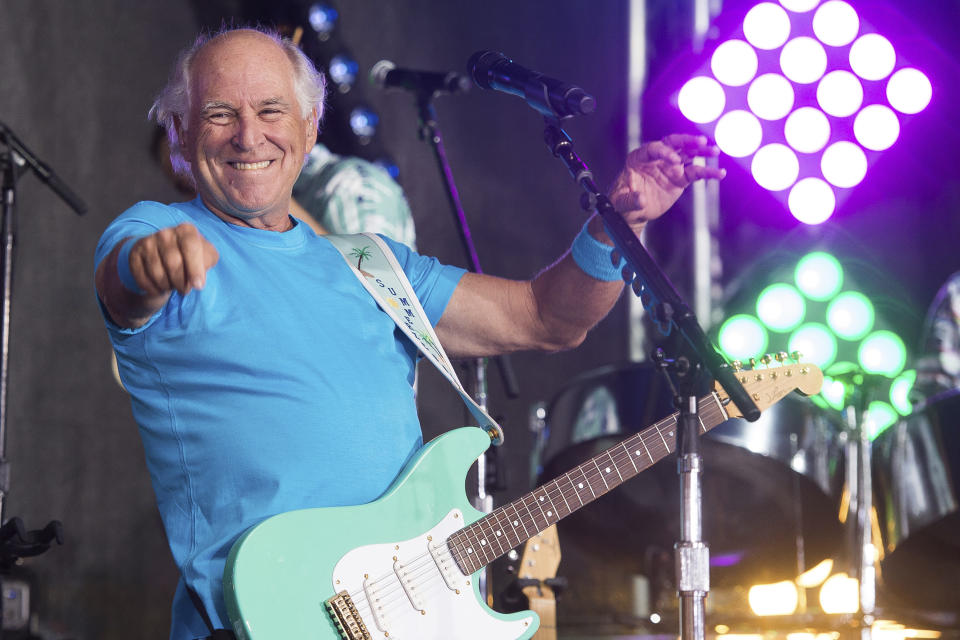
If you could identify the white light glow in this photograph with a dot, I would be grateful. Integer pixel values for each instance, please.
(814, 577)
(738, 133)
(836, 23)
(734, 63)
(803, 60)
(909, 91)
(844, 164)
(770, 96)
(812, 201)
(840, 93)
(701, 100)
(807, 130)
(766, 26)
(876, 127)
(800, 6)
(840, 594)
(778, 599)
(872, 57)
(775, 167)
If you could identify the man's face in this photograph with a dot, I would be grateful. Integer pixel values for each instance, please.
(245, 137)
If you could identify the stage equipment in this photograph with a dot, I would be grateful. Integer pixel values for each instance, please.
(668, 311)
(489, 472)
(15, 158)
(779, 96)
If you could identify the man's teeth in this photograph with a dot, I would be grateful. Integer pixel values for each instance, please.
(246, 166)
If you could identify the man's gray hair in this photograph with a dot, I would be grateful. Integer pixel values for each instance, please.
(173, 103)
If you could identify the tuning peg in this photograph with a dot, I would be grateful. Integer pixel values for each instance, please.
(737, 366)
(753, 363)
(781, 356)
(795, 356)
(766, 359)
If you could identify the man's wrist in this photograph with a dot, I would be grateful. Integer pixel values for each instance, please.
(594, 257)
(123, 267)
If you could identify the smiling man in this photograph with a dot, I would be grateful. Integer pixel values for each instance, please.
(262, 375)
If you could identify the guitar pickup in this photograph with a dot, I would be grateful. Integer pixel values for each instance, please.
(346, 618)
(447, 566)
(406, 582)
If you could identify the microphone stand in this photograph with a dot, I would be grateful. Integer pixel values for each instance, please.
(488, 470)
(667, 311)
(15, 157)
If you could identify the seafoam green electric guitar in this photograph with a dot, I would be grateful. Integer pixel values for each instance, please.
(405, 566)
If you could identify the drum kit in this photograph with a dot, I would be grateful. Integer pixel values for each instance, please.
(781, 496)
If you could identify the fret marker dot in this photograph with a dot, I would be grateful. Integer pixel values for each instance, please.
(607, 469)
(498, 533)
(549, 513)
(541, 498)
(670, 433)
(483, 542)
(470, 550)
(637, 452)
(580, 485)
(515, 523)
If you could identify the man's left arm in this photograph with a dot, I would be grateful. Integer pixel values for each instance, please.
(554, 311)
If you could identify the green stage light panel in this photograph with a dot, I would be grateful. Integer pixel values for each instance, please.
(781, 307)
(900, 392)
(880, 417)
(742, 337)
(850, 315)
(815, 342)
(819, 275)
(882, 352)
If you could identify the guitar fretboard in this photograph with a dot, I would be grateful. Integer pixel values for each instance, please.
(482, 542)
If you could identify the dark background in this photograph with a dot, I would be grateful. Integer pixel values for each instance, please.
(76, 81)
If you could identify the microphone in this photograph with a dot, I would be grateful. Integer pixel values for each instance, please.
(386, 74)
(549, 96)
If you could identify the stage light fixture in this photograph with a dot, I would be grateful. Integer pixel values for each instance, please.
(734, 63)
(770, 96)
(880, 417)
(840, 594)
(343, 71)
(701, 99)
(781, 307)
(784, 79)
(766, 26)
(738, 133)
(883, 353)
(807, 130)
(363, 122)
(777, 599)
(876, 127)
(742, 337)
(850, 315)
(775, 167)
(814, 577)
(323, 19)
(818, 275)
(836, 23)
(833, 394)
(900, 390)
(815, 341)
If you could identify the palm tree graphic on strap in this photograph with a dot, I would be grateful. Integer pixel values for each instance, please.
(361, 254)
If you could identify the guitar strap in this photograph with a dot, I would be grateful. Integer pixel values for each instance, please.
(377, 269)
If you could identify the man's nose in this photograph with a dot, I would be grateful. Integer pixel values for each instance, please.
(248, 134)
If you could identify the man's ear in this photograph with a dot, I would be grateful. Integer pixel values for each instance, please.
(181, 133)
(312, 130)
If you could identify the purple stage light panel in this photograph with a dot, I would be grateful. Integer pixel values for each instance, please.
(734, 63)
(872, 57)
(811, 201)
(766, 26)
(840, 94)
(803, 60)
(836, 23)
(799, 6)
(876, 127)
(775, 167)
(807, 130)
(738, 133)
(770, 96)
(844, 164)
(909, 91)
(701, 100)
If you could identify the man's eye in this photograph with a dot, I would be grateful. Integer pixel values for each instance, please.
(270, 113)
(219, 116)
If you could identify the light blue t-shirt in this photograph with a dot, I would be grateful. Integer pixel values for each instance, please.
(279, 386)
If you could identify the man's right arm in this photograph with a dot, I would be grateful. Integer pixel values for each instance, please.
(172, 259)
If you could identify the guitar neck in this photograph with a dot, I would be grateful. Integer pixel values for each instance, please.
(482, 542)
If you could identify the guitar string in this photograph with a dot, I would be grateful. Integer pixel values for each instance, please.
(617, 458)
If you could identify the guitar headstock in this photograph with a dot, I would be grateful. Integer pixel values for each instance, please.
(770, 380)
(541, 555)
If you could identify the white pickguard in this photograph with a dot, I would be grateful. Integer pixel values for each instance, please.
(402, 594)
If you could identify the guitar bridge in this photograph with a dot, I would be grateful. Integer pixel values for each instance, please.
(346, 618)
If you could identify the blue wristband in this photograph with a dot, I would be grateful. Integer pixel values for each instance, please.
(595, 258)
(123, 266)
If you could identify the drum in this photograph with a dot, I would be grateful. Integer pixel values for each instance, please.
(771, 490)
(916, 475)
